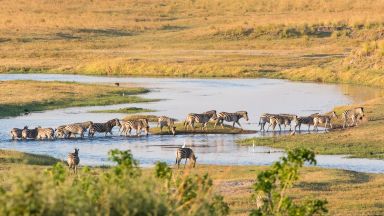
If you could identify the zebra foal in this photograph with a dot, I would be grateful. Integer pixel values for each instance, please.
(186, 153)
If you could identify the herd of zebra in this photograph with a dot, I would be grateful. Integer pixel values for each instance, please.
(350, 117)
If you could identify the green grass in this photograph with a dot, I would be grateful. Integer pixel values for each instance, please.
(54, 95)
(347, 192)
(128, 110)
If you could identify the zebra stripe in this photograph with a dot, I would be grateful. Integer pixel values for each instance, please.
(16, 133)
(202, 118)
(103, 127)
(352, 114)
(29, 133)
(45, 133)
(73, 160)
(231, 117)
(73, 129)
(138, 125)
(323, 119)
(186, 153)
(164, 121)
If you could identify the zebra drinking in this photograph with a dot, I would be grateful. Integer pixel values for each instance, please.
(352, 114)
(231, 117)
(186, 153)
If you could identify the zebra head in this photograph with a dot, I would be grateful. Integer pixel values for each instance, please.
(360, 111)
(76, 151)
(243, 114)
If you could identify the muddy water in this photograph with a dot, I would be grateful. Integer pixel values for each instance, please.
(182, 96)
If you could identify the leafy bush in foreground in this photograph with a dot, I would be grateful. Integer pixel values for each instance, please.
(272, 186)
(121, 190)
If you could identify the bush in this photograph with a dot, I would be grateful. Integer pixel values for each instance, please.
(121, 190)
(272, 185)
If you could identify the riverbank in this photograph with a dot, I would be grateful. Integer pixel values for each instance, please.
(23, 97)
(347, 192)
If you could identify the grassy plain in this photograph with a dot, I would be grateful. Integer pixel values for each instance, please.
(18, 96)
(348, 193)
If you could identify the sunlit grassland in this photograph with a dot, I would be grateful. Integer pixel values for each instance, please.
(125, 110)
(18, 96)
(347, 192)
(182, 38)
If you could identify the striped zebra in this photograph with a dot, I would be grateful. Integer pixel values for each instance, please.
(231, 117)
(186, 153)
(164, 121)
(202, 118)
(308, 120)
(73, 129)
(45, 133)
(103, 127)
(276, 120)
(323, 119)
(85, 125)
(73, 160)
(16, 133)
(29, 133)
(59, 131)
(138, 125)
(263, 120)
(287, 120)
(352, 114)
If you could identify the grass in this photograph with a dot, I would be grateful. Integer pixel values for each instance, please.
(186, 39)
(15, 96)
(347, 192)
(364, 141)
(128, 110)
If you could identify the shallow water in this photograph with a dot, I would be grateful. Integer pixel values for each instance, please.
(180, 97)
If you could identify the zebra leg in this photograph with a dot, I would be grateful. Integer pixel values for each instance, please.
(280, 127)
(239, 124)
(185, 164)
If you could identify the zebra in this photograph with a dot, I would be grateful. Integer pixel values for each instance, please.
(276, 120)
(16, 133)
(73, 129)
(138, 125)
(323, 119)
(103, 127)
(59, 131)
(29, 133)
(202, 118)
(353, 114)
(73, 160)
(303, 120)
(186, 153)
(168, 122)
(85, 125)
(45, 133)
(231, 117)
(287, 120)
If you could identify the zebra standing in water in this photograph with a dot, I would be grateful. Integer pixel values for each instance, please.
(163, 121)
(45, 133)
(202, 118)
(352, 114)
(138, 125)
(231, 117)
(16, 133)
(323, 119)
(29, 133)
(72, 129)
(73, 160)
(103, 127)
(275, 120)
(186, 153)
(303, 120)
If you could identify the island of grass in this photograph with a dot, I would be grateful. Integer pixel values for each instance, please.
(347, 192)
(127, 110)
(19, 97)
